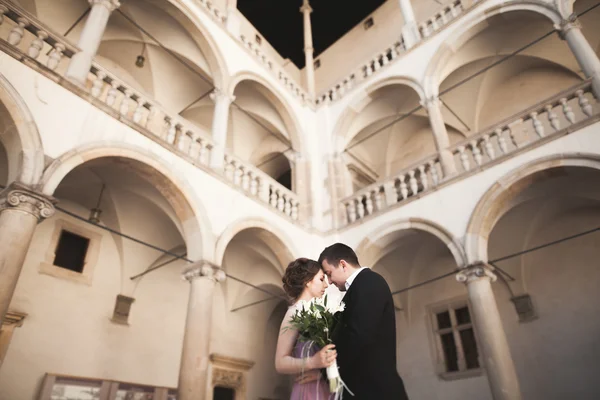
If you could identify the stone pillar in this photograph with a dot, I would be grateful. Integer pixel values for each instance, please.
(308, 49)
(300, 183)
(219, 126)
(502, 376)
(193, 373)
(440, 135)
(410, 30)
(20, 211)
(233, 22)
(570, 30)
(90, 39)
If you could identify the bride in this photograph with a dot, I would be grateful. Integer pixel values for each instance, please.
(303, 280)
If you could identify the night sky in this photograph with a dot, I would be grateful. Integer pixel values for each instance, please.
(280, 22)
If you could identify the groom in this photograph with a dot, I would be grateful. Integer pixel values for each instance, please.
(365, 337)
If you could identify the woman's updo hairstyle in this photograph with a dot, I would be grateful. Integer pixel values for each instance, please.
(297, 274)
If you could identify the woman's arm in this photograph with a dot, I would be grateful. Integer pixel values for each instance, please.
(286, 363)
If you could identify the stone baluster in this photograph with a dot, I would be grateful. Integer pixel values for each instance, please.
(172, 130)
(584, 103)
(37, 44)
(369, 202)
(16, 34)
(390, 192)
(351, 210)
(280, 201)
(454, 10)
(489, 147)
(434, 173)
(414, 185)
(98, 84)
(360, 207)
(287, 210)
(204, 152)
(378, 199)
(124, 108)
(263, 189)
(193, 372)
(55, 56)
(499, 365)
(423, 177)
(464, 158)
(403, 187)
(567, 111)
(425, 29)
(512, 137)
(245, 178)
(194, 152)
(253, 183)
(294, 212)
(185, 142)
(111, 97)
(552, 117)
(476, 152)
(537, 124)
(229, 168)
(237, 173)
(501, 141)
(434, 23)
(138, 114)
(273, 200)
(3, 11)
(443, 16)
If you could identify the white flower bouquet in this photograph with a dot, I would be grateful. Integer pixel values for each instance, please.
(315, 321)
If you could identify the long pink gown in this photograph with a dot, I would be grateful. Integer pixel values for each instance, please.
(315, 390)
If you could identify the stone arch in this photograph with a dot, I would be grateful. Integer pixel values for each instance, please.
(468, 28)
(360, 101)
(195, 225)
(26, 155)
(277, 99)
(276, 239)
(369, 252)
(491, 206)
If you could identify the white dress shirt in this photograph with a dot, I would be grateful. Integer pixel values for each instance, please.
(352, 277)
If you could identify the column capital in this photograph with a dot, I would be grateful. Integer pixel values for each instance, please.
(475, 272)
(292, 155)
(572, 22)
(110, 5)
(20, 197)
(306, 8)
(218, 95)
(204, 269)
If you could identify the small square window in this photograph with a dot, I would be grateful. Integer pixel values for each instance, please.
(317, 64)
(258, 39)
(369, 23)
(71, 251)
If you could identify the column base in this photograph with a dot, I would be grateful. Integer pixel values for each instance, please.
(79, 68)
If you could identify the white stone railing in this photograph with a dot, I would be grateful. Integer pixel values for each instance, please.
(410, 182)
(213, 11)
(258, 184)
(377, 62)
(35, 45)
(281, 75)
(548, 119)
(441, 18)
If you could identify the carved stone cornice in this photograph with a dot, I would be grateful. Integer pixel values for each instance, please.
(566, 25)
(218, 95)
(111, 5)
(476, 272)
(239, 364)
(19, 197)
(204, 269)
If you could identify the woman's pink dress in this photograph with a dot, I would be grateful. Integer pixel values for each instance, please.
(315, 390)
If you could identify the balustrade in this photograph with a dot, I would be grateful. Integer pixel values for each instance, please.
(541, 122)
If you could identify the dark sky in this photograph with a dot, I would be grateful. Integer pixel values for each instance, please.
(280, 22)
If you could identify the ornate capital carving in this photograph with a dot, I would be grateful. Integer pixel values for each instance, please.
(306, 7)
(228, 378)
(566, 25)
(218, 95)
(111, 5)
(476, 272)
(20, 197)
(204, 269)
(431, 102)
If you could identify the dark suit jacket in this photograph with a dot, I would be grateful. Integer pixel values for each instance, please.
(365, 340)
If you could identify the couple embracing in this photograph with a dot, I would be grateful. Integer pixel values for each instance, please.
(364, 339)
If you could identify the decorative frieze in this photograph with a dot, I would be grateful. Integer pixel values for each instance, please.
(20, 197)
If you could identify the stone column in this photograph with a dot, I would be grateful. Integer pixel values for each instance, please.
(300, 183)
(308, 49)
(20, 211)
(410, 30)
(499, 365)
(219, 126)
(193, 373)
(440, 135)
(233, 22)
(570, 30)
(90, 39)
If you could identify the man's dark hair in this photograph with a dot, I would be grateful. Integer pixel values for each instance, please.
(337, 252)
